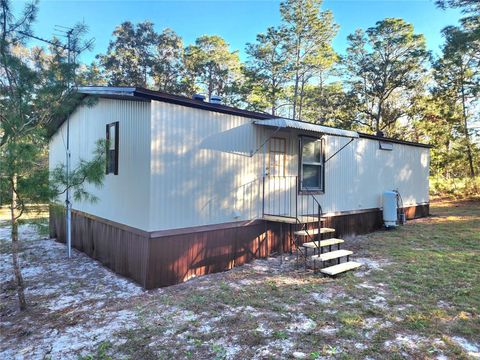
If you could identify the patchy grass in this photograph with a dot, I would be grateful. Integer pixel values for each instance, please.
(35, 215)
(436, 268)
(33, 212)
(418, 296)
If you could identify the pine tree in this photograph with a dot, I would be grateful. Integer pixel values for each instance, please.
(309, 34)
(384, 68)
(34, 92)
(212, 68)
(268, 70)
(457, 75)
(470, 22)
(130, 55)
(167, 70)
(91, 75)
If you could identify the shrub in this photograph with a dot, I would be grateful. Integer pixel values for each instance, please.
(454, 187)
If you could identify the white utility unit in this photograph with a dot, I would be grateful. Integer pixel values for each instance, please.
(390, 208)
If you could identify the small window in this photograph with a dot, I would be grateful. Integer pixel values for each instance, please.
(383, 145)
(112, 148)
(311, 164)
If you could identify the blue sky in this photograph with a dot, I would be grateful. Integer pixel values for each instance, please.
(236, 21)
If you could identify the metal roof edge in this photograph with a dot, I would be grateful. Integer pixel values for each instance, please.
(142, 94)
(139, 92)
(307, 126)
(392, 140)
(120, 93)
(133, 93)
(106, 90)
(204, 105)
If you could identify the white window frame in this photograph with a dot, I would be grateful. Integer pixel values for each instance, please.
(321, 164)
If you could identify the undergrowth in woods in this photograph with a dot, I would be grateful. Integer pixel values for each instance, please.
(460, 188)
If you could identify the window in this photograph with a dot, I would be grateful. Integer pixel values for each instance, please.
(383, 145)
(276, 161)
(312, 173)
(112, 148)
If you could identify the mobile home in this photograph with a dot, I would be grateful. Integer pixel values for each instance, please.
(194, 187)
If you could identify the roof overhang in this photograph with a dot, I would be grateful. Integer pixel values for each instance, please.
(138, 93)
(107, 90)
(396, 141)
(281, 123)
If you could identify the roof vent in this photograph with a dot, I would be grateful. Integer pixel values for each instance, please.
(215, 99)
(199, 97)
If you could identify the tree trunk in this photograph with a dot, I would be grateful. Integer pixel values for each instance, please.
(467, 136)
(379, 116)
(321, 114)
(274, 96)
(447, 170)
(15, 246)
(302, 94)
(295, 91)
(210, 84)
(297, 77)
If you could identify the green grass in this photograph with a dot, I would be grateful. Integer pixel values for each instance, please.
(436, 268)
(33, 212)
(101, 353)
(431, 284)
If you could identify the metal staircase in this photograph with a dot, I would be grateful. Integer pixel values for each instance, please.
(312, 242)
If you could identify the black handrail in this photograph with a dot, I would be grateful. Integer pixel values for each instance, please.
(274, 193)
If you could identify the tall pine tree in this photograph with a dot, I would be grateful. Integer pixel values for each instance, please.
(309, 34)
(384, 67)
(34, 92)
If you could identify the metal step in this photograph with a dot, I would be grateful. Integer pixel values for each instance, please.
(305, 219)
(314, 232)
(340, 268)
(327, 242)
(332, 255)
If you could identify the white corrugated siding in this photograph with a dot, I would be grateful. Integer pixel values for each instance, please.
(356, 177)
(124, 198)
(202, 172)
(181, 167)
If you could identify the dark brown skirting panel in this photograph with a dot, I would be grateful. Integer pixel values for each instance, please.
(117, 247)
(364, 222)
(419, 211)
(176, 258)
(170, 257)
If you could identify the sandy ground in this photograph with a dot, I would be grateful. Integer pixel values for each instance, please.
(78, 308)
(85, 294)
